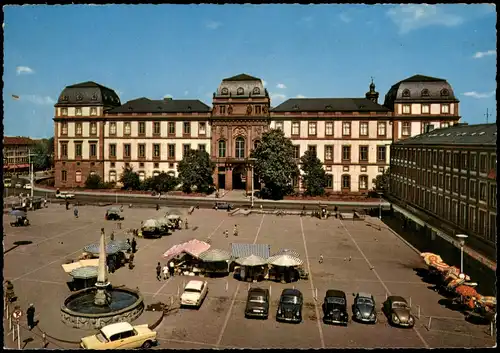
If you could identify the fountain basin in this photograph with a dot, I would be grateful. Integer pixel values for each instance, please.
(79, 310)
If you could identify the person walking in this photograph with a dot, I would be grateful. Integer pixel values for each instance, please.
(321, 258)
(158, 272)
(226, 233)
(166, 271)
(186, 222)
(235, 230)
(171, 268)
(75, 211)
(67, 205)
(112, 235)
(131, 261)
(30, 316)
(134, 246)
(111, 264)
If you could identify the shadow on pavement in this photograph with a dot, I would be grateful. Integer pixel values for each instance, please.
(18, 244)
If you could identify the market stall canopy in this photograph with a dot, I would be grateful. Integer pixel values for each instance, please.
(431, 258)
(287, 252)
(85, 272)
(111, 248)
(215, 255)
(490, 301)
(122, 244)
(466, 291)
(173, 217)
(150, 223)
(162, 221)
(252, 260)
(284, 260)
(114, 210)
(78, 264)
(193, 247)
(174, 212)
(17, 213)
(244, 250)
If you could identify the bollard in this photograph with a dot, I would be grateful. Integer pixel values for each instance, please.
(18, 336)
(429, 324)
(385, 295)
(410, 302)
(171, 301)
(227, 285)
(270, 292)
(13, 334)
(492, 329)
(178, 290)
(10, 322)
(44, 340)
(316, 294)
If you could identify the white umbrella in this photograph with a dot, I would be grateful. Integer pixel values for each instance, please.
(252, 260)
(150, 223)
(284, 260)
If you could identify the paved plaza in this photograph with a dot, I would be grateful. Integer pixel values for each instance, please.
(358, 256)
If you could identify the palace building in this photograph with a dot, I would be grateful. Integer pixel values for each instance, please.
(95, 133)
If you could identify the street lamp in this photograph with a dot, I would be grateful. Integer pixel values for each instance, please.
(462, 238)
(380, 206)
(252, 160)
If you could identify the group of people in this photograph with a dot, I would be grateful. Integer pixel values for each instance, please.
(235, 231)
(168, 271)
(10, 297)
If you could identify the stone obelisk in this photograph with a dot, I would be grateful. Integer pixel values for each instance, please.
(102, 284)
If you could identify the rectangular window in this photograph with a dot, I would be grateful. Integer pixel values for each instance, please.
(171, 151)
(93, 150)
(185, 149)
(456, 160)
(312, 129)
(363, 153)
(64, 149)
(493, 196)
(448, 183)
(482, 192)
(78, 149)
(93, 111)
(222, 109)
(441, 180)
(493, 161)
(64, 175)
(329, 128)
(295, 128)
(472, 189)
(156, 150)
(156, 128)
(64, 111)
(78, 111)
(328, 153)
(278, 125)
(363, 128)
(482, 163)
(381, 128)
(112, 150)
(329, 181)
(222, 148)
(296, 151)
(142, 128)
(463, 187)
(445, 109)
(312, 148)
(78, 129)
(142, 150)
(464, 161)
(346, 153)
(202, 147)
(258, 109)
(406, 109)
(78, 176)
(64, 128)
(186, 128)
(127, 150)
(202, 128)
(112, 128)
(346, 129)
(381, 153)
(406, 128)
(127, 129)
(363, 182)
(171, 128)
(448, 159)
(473, 162)
(445, 124)
(483, 227)
(93, 128)
(426, 109)
(493, 228)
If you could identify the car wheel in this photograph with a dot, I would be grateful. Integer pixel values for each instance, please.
(147, 345)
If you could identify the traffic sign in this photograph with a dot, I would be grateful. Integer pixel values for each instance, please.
(17, 314)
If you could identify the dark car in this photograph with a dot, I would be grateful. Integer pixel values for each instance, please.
(257, 303)
(114, 215)
(363, 309)
(290, 306)
(398, 311)
(223, 206)
(335, 308)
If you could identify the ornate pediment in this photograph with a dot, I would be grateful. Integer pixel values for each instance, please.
(239, 131)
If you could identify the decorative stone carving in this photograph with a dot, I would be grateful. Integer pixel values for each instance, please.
(241, 131)
(230, 109)
(249, 109)
(265, 110)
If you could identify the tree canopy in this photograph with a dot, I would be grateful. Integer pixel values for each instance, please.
(381, 181)
(43, 152)
(314, 176)
(162, 182)
(93, 181)
(195, 170)
(130, 179)
(275, 164)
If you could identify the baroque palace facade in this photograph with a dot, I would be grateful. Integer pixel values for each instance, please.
(95, 133)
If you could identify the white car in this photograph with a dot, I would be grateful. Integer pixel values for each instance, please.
(121, 335)
(64, 195)
(27, 186)
(18, 186)
(194, 293)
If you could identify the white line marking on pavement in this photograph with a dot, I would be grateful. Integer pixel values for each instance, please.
(320, 329)
(380, 279)
(190, 342)
(228, 315)
(164, 284)
(40, 281)
(221, 222)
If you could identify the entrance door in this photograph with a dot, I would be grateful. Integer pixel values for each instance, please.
(238, 173)
(222, 180)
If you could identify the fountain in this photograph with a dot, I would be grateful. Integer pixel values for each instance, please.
(101, 305)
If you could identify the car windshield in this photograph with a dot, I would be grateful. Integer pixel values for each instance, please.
(191, 290)
(290, 299)
(335, 300)
(257, 299)
(101, 337)
(399, 305)
(365, 301)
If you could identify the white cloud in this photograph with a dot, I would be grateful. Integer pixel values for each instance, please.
(186, 93)
(277, 98)
(300, 96)
(36, 99)
(168, 96)
(213, 24)
(345, 18)
(413, 17)
(478, 95)
(482, 54)
(24, 70)
(264, 83)
(281, 86)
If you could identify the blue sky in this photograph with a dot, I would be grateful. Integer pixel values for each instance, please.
(186, 50)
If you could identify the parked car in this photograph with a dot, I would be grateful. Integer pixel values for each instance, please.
(335, 308)
(363, 309)
(7, 183)
(18, 185)
(64, 195)
(114, 214)
(27, 186)
(223, 206)
(257, 303)
(194, 293)
(398, 311)
(290, 306)
(121, 335)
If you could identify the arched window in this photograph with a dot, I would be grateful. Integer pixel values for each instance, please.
(156, 173)
(240, 147)
(225, 91)
(445, 92)
(78, 176)
(363, 182)
(222, 149)
(256, 144)
(142, 176)
(240, 91)
(256, 90)
(346, 181)
(112, 175)
(406, 93)
(425, 92)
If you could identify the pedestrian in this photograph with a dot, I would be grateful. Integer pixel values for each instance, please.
(112, 235)
(131, 261)
(158, 272)
(166, 271)
(75, 211)
(320, 258)
(235, 230)
(171, 268)
(30, 315)
(226, 233)
(9, 291)
(186, 222)
(67, 205)
(157, 207)
(111, 264)
(134, 246)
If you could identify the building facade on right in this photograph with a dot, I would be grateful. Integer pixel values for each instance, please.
(450, 174)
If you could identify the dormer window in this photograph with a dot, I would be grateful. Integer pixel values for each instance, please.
(240, 91)
(406, 93)
(94, 96)
(425, 92)
(328, 107)
(130, 108)
(189, 108)
(64, 98)
(256, 90)
(79, 97)
(295, 107)
(225, 91)
(445, 92)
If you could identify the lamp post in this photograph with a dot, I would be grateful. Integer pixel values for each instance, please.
(31, 173)
(462, 238)
(252, 161)
(380, 206)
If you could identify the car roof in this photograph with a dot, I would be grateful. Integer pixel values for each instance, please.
(194, 285)
(335, 293)
(113, 329)
(257, 290)
(364, 295)
(290, 291)
(397, 298)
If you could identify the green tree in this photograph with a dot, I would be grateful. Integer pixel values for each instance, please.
(195, 170)
(275, 164)
(381, 181)
(130, 179)
(93, 181)
(314, 176)
(42, 154)
(162, 182)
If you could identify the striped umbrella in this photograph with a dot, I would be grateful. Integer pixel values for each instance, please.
(215, 255)
(85, 272)
(252, 260)
(432, 258)
(288, 252)
(122, 244)
(111, 248)
(284, 260)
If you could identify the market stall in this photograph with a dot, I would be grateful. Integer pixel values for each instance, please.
(185, 256)
(215, 262)
(284, 268)
(251, 268)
